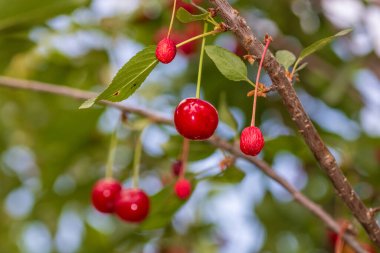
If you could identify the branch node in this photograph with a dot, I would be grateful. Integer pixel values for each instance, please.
(372, 211)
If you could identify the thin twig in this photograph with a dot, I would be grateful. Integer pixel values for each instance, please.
(292, 103)
(215, 140)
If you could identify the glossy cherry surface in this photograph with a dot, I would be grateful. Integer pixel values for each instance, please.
(195, 119)
(104, 193)
(182, 188)
(251, 141)
(132, 205)
(166, 50)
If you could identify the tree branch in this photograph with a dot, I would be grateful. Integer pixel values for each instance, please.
(215, 140)
(292, 103)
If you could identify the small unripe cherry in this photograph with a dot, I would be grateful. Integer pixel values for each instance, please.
(195, 119)
(132, 205)
(166, 50)
(251, 141)
(104, 193)
(182, 188)
(177, 167)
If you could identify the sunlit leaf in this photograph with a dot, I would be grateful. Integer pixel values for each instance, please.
(129, 78)
(285, 58)
(229, 64)
(318, 45)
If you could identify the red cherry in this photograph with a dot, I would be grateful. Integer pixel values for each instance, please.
(104, 194)
(132, 205)
(177, 168)
(251, 141)
(195, 119)
(166, 50)
(182, 188)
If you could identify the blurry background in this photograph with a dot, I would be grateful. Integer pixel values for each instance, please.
(51, 153)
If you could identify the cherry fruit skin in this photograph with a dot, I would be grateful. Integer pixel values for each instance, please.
(132, 205)
(251, 141)
(104, 194)
(177, 167)
(166, 50)
(182, 188)
(195, 119)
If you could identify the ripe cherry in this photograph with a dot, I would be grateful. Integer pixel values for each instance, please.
(177, 168)
(251, 141)
(132, 205)
(195, 119)
(104, 194)
(166, 50)
(182, 188)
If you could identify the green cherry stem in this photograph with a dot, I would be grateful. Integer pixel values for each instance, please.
(111, 153)
(197, 37)
(185, 156)
(268, 40)
(172, 18)
(136, 161)
(198, 92)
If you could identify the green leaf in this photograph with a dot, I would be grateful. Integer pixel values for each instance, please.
(225, 114)
(230, 175)
(186, 17)
(129, 78)
(229, 64)
(318, 45)
(285, 58)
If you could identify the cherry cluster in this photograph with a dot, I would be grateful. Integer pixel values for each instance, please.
(194, 119)
(197, 119)
(131, 204)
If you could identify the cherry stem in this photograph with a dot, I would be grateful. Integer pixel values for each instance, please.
(197, 37)
(172, 18)
(111, 153)
(185, 156)
(136, 161)
(268, 40)
(198, 92)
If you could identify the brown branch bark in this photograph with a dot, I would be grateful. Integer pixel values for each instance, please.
(326, 160)
(215, 140)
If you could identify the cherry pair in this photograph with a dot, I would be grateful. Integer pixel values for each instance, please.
(131, 205)
(196, 119)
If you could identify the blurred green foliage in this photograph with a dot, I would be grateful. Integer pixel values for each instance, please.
(56, 152)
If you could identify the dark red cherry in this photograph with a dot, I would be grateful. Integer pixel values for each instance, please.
(177, 168)
(166, 50)
(195, 119)
(182, 188)
(104, 194)
(251, 141)
(132, 205)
